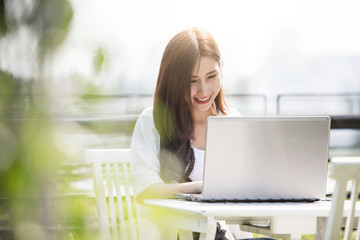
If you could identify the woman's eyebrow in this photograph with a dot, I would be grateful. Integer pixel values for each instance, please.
(211, 72)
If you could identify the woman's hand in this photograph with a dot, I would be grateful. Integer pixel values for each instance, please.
(166, 190)
(195, 187)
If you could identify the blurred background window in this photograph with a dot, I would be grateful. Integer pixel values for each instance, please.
(268, 47)
(106, 67)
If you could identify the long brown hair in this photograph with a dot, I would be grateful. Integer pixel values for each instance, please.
(173, 111)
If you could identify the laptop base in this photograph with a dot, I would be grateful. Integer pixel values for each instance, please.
(199, 198)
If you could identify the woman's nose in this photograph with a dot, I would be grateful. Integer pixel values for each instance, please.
(204, 88)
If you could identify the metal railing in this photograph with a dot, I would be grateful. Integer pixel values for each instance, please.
(343, 108)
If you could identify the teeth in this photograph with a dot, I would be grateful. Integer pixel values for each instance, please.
(203, 99)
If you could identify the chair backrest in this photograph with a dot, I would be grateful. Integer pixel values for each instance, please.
(115, 202)
(343, 170)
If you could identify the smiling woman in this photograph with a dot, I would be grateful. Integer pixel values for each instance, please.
(169, 138)
(186, 94)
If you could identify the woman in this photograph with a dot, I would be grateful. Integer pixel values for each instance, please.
(169, 138)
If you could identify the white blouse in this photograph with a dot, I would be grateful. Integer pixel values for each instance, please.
(198, 171)
(145, 147)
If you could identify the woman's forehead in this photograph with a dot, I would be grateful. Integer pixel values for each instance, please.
(204, 65)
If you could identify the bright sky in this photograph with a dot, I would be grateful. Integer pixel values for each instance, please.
(251, 34)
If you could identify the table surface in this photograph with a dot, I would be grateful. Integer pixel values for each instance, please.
(292, 218)
(256, 209)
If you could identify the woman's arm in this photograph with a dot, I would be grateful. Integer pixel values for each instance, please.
(167, 190)
(145, 165)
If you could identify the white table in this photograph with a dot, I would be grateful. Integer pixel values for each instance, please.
(292, 219)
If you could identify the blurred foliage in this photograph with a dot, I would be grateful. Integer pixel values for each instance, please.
(3, 28)
(29, 157)
(54, 17)
(99, 60)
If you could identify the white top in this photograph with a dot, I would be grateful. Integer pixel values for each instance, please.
(145, 148)
(198, 171)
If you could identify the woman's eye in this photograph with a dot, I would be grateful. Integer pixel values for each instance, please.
(193, 81)
(212, 76)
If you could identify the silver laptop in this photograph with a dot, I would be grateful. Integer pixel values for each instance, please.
(265, 159)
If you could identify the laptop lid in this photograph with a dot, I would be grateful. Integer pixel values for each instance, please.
(262, 158)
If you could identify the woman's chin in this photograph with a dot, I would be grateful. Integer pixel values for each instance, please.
(202, 108)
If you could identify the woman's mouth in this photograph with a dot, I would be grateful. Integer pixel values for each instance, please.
(202, 100)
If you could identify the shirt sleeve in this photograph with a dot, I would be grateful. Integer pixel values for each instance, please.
(145, 145)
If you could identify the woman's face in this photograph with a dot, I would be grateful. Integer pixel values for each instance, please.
(205, 84)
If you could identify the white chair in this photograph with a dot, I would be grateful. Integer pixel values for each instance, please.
(343, 170)
(115, 202)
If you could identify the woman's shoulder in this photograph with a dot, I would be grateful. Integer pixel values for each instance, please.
(147, 112)
(146, 116)
(145, 124)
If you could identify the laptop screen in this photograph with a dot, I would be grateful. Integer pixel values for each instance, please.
(266, 158)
